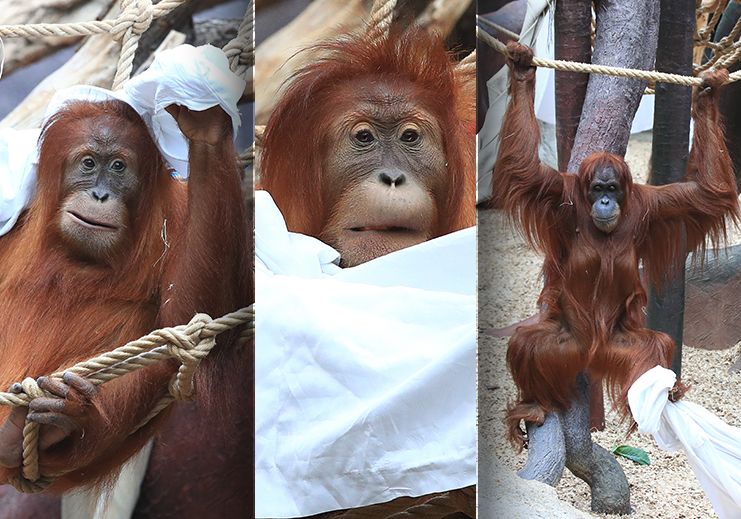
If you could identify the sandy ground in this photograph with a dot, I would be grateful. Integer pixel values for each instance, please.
(509, 283)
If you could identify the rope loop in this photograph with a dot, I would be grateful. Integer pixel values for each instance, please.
(136, 15)
(21, 484)
(189, 346)
(31, 388)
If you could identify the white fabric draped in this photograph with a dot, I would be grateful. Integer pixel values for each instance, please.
(713, 447)
(366, 377)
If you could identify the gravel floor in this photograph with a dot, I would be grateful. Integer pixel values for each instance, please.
(509, 283)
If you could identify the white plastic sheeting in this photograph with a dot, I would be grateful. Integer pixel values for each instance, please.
(196, 77)
(365, 385)
(712, 446)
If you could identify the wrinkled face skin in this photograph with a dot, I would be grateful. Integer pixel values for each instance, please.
(100, 184)
(606, 195)
(384, 171)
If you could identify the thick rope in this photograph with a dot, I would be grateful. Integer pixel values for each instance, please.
(467, 64)
(189, 344)
(589, 68)
(498, 28)
(135, 18)
(241, 50)
(382, 14)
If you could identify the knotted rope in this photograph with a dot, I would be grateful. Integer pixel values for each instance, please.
(189, 344)
(135, 18)
(241, 50)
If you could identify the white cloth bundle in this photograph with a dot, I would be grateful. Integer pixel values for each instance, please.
(196, 77)
(365, 385)
(712, 446)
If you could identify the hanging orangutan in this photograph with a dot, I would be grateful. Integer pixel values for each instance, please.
(595, 229)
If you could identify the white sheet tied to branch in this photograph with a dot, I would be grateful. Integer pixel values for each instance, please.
(713, 447)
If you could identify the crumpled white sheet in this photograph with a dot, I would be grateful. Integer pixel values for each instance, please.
(17, 173)
(365, 377)
(196, 77)
(712, 446)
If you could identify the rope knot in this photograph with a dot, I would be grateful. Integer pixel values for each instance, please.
(31, 388)
(190, 353)
(136, 15)
(179, 343)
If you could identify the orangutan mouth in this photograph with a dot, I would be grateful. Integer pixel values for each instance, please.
(94, 224)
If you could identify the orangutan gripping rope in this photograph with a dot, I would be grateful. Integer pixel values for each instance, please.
(594, 229)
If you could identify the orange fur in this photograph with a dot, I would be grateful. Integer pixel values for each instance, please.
(62, 310)
(293, 152)
(593, 298)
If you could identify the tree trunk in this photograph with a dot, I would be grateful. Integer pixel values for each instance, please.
(627, 32)
(573, 24)
(670, 151)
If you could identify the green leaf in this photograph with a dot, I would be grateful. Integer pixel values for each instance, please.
(632, 453)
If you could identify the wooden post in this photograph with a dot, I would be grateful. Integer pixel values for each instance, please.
(670, 150)
(573, 29)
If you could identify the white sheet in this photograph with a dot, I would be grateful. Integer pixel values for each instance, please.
(196, 77)
(365, 385)
(17, 174)
(712, 446)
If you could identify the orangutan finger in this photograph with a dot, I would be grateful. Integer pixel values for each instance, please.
(82, 385)
(47, 405)
(59, 420)
(53, 386)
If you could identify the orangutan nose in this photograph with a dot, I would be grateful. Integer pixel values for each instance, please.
(392, 178)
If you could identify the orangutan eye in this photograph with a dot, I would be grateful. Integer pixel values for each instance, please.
(597, 188)
(612, 187)
(88, 164)
(364, 136)
(118, 166)
(410, 136)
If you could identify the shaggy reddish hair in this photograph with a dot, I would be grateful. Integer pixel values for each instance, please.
(293, 149)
